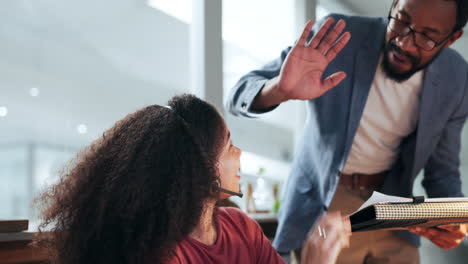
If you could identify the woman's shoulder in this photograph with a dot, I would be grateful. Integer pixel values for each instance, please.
(234, 215)
(232, 212)
(238, 225)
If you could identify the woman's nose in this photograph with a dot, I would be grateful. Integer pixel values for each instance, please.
(239, 151)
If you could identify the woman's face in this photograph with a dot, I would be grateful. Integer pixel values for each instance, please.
(229, 165)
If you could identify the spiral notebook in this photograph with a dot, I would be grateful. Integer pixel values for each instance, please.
(382, 211)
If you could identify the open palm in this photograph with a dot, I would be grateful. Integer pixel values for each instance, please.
(301, 74)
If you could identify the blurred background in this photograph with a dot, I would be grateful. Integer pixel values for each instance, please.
(70, 69)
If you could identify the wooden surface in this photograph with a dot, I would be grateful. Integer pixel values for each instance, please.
(17, 236)
(13, 225)
(14, 250)
(20, 252)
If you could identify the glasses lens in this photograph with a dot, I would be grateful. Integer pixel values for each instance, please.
(397, 26)
(403, 29)
(424, 42)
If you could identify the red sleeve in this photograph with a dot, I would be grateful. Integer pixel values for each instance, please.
(265, 253)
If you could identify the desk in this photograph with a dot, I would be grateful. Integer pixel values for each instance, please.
(267, 221)
(19, 252)
(15, 249)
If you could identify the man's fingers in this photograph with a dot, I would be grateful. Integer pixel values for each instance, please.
(445, 243)
(317, 38)
(332, 81)
(338, 46)
(330, 37)
(428, 232)
(306, 32)
(451, 228)
(446, 233)
(442, 238)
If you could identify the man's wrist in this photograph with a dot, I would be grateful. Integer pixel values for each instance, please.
(269, 96)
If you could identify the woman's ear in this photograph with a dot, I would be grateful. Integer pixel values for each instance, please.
(215, 185)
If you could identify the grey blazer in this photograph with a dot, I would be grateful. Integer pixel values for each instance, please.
(333, 119)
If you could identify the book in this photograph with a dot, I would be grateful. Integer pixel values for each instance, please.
(382, 211)
(7, 226)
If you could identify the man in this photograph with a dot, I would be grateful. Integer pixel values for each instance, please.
(398, 107)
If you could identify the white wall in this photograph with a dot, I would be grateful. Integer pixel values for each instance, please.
(89, 68)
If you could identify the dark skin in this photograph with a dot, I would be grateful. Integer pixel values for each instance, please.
(301, 76)
(436, 19)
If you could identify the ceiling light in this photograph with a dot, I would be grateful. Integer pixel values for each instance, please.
(180, 9)
(82, 129)
(34, 91)
(3, 111)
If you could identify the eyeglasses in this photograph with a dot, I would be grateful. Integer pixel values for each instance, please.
(420, 40)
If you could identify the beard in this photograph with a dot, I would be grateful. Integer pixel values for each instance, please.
(393, 73)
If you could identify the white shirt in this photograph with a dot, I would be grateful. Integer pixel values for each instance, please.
(391, 113)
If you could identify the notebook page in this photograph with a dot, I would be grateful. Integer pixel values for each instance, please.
(377, 198)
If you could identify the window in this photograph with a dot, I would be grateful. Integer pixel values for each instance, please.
(69, 71)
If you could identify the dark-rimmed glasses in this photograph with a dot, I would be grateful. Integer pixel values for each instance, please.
(420, 40)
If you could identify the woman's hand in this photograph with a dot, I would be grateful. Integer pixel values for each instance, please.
(326, 239)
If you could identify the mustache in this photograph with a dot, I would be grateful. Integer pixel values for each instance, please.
(393, 47)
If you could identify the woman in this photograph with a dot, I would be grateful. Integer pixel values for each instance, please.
(146, 192)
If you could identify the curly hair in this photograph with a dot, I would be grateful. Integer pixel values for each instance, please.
(137, 191)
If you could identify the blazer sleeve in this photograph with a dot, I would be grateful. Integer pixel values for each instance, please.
(246, 89)
(442, 173)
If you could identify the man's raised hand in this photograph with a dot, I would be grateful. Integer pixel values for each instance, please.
(301, 74)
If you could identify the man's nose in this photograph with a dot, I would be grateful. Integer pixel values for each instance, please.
(406, 43)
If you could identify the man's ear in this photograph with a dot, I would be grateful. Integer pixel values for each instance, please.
(453, 38)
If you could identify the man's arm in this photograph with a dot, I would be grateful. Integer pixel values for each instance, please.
(242, 95)
(442, 176)
(441, 171)
(297, 74)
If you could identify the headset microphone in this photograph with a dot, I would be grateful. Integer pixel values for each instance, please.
(230, 192)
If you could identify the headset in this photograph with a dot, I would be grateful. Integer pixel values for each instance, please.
(218, 186)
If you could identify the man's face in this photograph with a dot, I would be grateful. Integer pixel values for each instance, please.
(434, 19)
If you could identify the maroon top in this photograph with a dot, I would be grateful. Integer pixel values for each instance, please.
(240, 240)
